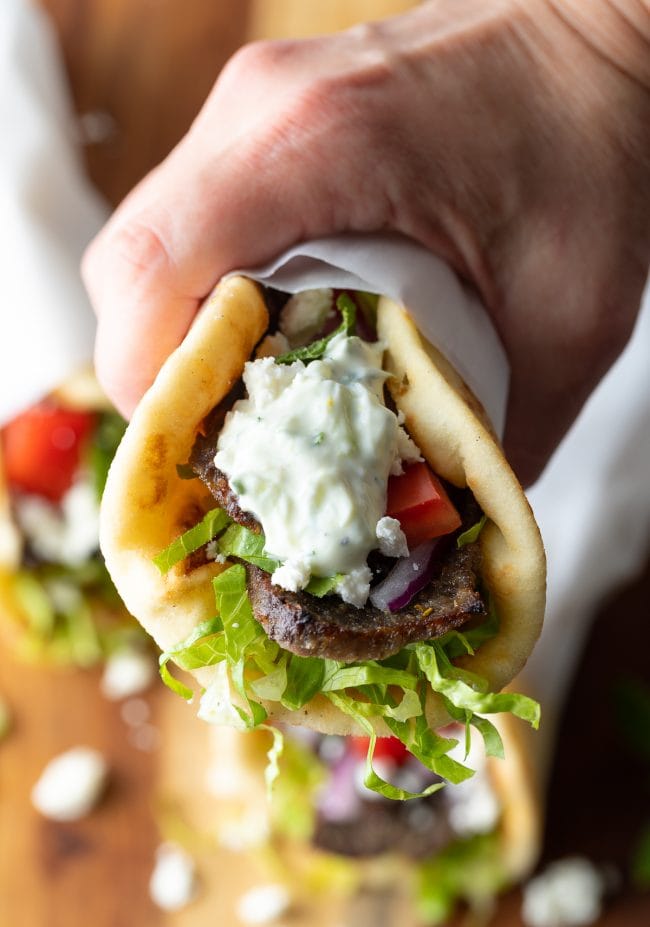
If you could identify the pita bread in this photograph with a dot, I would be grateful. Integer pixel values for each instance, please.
(241, 760)
(146, 504)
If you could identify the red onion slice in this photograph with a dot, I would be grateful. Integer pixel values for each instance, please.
(408, 576)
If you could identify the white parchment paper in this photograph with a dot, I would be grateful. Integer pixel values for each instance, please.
(48, 213)
(447, 313)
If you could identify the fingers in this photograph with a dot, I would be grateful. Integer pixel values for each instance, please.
(247, 182)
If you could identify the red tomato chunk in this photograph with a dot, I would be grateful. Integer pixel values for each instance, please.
(42, 448)
(418, 500)
(386, 748)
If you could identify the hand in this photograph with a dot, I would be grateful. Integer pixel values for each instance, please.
(511, 138)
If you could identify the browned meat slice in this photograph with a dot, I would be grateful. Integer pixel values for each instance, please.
(329, 627)
(202, 462)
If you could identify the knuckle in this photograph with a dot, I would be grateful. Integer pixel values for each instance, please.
(138, 245)
(258, 60)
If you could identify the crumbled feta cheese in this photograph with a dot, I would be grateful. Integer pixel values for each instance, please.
(66, 534)
(407, 449)
(173, 883)
(273, 346)
(127, 672)
(304, 314)
(473, 807)
(263, 904)
(568, 894)
(292, 575)
(212, 551)
(71, 784)
(392, 540)
(354, 587)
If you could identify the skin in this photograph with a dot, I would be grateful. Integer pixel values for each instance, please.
(510, 138)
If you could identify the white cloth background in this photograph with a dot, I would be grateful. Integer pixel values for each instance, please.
(48, 213)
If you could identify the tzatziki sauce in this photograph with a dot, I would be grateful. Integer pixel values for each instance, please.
(309, 453)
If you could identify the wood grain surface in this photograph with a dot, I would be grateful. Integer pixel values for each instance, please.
(139, 71)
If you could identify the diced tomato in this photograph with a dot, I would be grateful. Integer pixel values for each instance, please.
(42, 448)
(417, 499)
(386, 748)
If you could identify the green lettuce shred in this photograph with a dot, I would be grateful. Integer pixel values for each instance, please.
(208, 528)
(316, 349)
(393, 689)
(244, 544)
(472, 534)
(467, 870)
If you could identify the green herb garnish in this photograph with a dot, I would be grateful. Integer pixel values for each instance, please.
(316, 349)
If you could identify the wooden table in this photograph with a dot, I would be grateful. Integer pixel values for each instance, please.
(141, 69)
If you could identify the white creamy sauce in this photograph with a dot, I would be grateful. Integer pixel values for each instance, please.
(309, 453)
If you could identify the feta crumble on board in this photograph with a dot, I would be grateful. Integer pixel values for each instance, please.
(71, 784)
(127, 672)
(263, 904)
(173, 883)
(569, 893)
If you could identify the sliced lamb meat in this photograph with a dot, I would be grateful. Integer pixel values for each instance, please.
(329, 627)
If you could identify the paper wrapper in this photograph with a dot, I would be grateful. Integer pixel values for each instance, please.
(48, 213)
(448, 314)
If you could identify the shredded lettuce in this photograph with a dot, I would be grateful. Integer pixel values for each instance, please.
(244, 544)
(469, 870)
(394, 689)
(238, 541)
(57, 619)
(467, 691)
(209, 527)
(472, 534)
(107, 435)
(317, 348)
